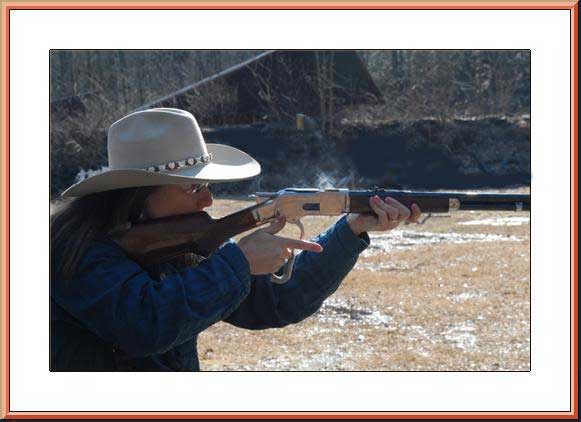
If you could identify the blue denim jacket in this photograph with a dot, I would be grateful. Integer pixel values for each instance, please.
(116, 316)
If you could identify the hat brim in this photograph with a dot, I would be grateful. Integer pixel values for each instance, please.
(228, 164)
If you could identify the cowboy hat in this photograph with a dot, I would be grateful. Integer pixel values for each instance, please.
(164, 146)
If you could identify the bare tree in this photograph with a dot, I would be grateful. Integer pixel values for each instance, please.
(325, 87)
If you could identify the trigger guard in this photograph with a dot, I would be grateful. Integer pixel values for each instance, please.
(299, 224)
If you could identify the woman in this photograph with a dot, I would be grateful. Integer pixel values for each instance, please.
(110, 314)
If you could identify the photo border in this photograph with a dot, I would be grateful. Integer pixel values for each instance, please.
(6, 7)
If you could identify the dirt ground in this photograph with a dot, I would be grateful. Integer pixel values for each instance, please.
(452, 294)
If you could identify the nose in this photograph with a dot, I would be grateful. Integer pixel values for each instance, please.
(206, 199)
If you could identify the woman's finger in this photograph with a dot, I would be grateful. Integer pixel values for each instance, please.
(393, 216)
(392, 212)
(376, 206)
(416, 214)
(392, 224)
(275, 226)
(403, 212)
(305, 245)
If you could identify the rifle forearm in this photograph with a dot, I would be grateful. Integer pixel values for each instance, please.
(360, 203)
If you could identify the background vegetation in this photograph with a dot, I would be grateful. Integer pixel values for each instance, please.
(416, 84)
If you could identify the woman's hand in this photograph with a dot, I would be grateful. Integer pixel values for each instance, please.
(266, 253)
(389, 213)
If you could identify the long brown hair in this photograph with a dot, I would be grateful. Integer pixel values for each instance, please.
(79, 222)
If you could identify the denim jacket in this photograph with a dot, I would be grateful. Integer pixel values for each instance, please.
(115, 316)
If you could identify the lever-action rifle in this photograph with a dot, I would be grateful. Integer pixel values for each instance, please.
(159, 240)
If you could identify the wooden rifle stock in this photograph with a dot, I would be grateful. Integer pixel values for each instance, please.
(162, 239)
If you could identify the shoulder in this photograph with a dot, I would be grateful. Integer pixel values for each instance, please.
(102, 266)
(104, 248)
(105, 254)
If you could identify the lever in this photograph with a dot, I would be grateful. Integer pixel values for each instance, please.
(291, 261)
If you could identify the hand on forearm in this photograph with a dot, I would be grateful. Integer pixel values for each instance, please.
(389, 213)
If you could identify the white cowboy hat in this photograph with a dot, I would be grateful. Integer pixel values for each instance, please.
(164, 146)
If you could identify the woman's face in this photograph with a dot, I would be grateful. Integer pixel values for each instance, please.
(169, 200)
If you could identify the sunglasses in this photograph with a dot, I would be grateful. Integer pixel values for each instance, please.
(195, 187)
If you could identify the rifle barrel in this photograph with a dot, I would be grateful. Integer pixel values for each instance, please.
(436, 202)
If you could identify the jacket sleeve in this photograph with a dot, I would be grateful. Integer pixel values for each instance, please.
(315, 277)
(120, 302)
